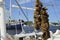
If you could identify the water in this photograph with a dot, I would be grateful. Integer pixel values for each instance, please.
(30, 30)
(54, 28)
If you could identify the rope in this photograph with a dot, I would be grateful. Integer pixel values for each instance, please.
(22, 10)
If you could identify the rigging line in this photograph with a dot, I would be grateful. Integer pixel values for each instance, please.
(58, 10)
(16, 27)
(48, 5)
(26, 8)
(19, 14)
(10, 10)
(9, 18)
(54, 10)
(15, 23)
(22, 10)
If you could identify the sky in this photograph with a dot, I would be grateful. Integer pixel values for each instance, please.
(53, 7)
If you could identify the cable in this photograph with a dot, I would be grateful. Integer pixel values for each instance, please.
(22, 10)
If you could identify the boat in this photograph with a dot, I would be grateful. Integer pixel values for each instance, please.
(23, 35)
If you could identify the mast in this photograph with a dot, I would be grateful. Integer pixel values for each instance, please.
(2, 21)
(10, 14)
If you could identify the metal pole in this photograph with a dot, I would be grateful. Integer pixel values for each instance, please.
(10, 8)
(10, 13)
(2, 21)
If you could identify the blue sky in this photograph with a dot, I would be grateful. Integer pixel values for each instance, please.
(52, 5)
